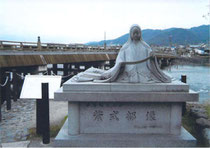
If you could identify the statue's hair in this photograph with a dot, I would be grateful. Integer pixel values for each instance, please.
(131, 29)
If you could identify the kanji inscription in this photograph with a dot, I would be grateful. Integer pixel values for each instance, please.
(113, 115)
(98, 115)
(150, 116)
(131, 116)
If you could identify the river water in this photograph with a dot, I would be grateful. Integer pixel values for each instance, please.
(198, 78)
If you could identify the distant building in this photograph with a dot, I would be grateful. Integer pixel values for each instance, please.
(195, 46)
(198, 51)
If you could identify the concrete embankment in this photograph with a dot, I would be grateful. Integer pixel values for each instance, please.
(196, 60)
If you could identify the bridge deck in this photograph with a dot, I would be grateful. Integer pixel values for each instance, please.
(23, 58)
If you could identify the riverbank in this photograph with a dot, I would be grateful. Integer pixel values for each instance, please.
(197, 121)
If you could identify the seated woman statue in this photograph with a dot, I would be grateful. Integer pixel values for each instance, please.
(135, 63)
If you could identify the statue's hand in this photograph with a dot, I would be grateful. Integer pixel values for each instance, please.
(95, 70)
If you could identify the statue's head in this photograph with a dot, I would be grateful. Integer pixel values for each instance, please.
(135, 33)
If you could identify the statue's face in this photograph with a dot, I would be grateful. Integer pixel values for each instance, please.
(136, 34)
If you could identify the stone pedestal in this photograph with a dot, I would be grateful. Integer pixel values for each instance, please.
(124, 114)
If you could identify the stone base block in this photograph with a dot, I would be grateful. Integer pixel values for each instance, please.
(123, 140)
(125, 118)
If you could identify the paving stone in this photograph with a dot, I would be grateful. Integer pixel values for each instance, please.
(12, 121)
(15, 123)
(22, 144)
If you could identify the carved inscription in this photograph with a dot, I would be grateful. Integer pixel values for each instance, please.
(113, 115)
(98, 115)
(131, 116)
(150, 116)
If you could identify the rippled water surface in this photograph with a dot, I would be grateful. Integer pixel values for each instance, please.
(198, 77)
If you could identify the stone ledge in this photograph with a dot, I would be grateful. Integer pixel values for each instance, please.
(116, 140)
(175, 86)
(97, 96)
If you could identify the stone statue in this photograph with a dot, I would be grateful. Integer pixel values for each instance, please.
(135, 63)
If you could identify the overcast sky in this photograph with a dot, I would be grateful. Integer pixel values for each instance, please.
(81, 21)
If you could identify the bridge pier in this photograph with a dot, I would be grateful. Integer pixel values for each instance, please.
(1, 45)
(8, 91)
(54, 69)
(164, 62)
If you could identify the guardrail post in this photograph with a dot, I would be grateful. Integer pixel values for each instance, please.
(184, 80)
(45, 113)
(42, 115)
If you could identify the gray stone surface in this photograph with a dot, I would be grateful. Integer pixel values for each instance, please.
(36, 142)
(74, 114)
(175, 86)
(136, 118)
(22, 144)
(97, 96)
(115, 140)
(16, 122)
(175, 118)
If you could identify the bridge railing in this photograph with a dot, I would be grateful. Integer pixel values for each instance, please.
(34, 46)
(38, 46)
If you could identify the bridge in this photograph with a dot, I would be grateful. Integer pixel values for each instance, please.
(13, 53)
(37, 46)
(18, 59)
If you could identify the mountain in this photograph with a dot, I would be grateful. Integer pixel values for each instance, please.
(202, 32)
(177, 36)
